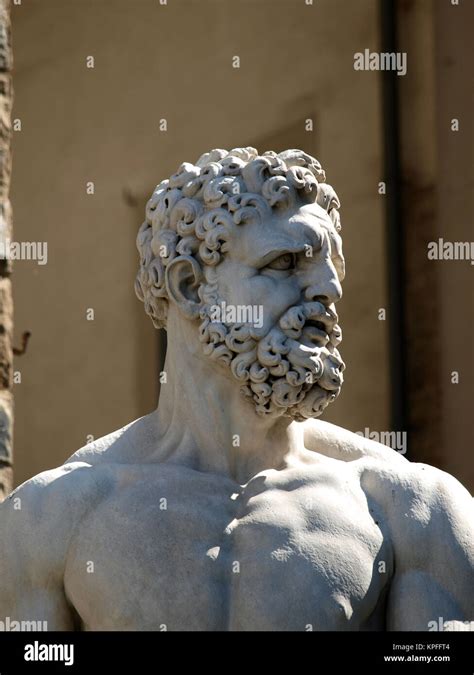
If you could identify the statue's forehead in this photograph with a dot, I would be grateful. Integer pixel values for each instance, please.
(291, 229)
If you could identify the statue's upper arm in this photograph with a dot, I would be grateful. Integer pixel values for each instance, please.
(434, 554)
(32, 555)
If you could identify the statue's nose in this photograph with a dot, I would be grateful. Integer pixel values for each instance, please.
(324, 285)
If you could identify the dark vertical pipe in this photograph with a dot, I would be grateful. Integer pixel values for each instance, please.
(395, 233)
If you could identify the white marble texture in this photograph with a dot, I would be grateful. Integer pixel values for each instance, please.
(231, 507)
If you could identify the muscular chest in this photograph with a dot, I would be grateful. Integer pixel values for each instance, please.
(182, 554)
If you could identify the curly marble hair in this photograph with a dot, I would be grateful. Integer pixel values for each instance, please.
(193, 212)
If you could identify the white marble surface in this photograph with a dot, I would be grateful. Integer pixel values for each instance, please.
(231, 507)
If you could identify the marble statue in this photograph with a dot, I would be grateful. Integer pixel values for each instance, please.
(232, 507)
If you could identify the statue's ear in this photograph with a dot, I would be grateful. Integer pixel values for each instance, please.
(183, 278)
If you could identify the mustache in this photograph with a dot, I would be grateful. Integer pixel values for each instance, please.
(313, 320)
(282, 345)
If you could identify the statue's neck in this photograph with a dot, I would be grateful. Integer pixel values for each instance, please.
(205, 422)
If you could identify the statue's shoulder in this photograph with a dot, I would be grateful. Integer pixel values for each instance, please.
(38, 517)
(132, 443)
(415, 489)
(57, 498)
(429, 516)
(385, 472)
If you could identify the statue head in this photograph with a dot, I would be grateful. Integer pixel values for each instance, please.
(247, 248)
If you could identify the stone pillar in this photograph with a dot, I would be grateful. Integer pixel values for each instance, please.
(437, 202)
(420, 171)
(6, 305)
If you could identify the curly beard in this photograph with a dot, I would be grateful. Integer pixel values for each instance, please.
(294, 370)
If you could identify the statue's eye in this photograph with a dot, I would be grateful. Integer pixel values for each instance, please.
(287, 261)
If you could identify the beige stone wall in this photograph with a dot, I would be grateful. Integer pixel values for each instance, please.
(152, 61)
